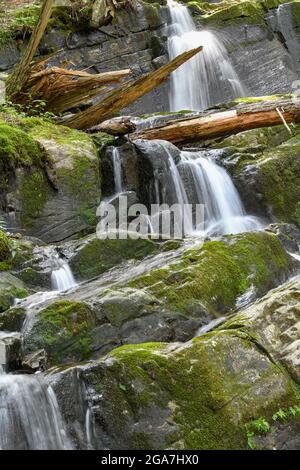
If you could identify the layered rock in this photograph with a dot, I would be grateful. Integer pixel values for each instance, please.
(52, 179)
(166, 303)
(209, 393)
(265, 167)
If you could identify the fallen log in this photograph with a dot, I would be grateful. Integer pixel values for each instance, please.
(17, 79)
(242, 118)
(63, 89)
(116, 126)
(126, 94)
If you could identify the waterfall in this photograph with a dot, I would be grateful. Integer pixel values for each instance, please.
(117, 170)
(190, 178)
(62, 278)
(224, 210)
(29, 415)
(202, 80)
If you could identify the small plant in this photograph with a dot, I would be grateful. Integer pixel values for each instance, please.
(250, 440)
(2, 224)
(261, 425)
(280, 415)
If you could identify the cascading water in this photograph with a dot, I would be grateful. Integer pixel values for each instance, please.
(117, 170)
(29, 415)
(202, 80)
(195, 179)
(224, 211)
(62, 278)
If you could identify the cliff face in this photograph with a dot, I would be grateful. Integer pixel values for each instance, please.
(262, 39)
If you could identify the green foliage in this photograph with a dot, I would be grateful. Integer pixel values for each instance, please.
(261, 425)
(18, 23)
(5, 247)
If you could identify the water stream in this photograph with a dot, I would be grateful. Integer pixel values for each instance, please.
(202, 80)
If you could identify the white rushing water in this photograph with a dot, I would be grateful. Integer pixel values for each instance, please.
(117, 170)
(62, 278)
(29, 415)
(224, 210)
(200, 82)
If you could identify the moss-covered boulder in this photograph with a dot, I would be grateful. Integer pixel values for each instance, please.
(10, 289)
(266, 166)
(12, 319)
(64, 330)
(197, 395)
(217, 274)
(274, 321)
(94, 256)
(168, 304)
(50, 177)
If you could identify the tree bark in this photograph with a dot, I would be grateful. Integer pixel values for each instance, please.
(17, 79)
(243, 118)
(127, 94)
(63, 89)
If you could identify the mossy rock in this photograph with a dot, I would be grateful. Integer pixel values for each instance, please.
(64, 330)
(12, 319)
(53, 173)
(219, 272)
(17, 149)
(10, 289)
(227, 12)
(95, 256)
(196, 395)
(5, 248)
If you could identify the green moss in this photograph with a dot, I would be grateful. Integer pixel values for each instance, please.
(97, 256)
(5, 247)
(217, 273)
(12, 319)
(80, 172)
(17, 148)
(229, 11)
(64, 330)
(34, 191)
(279, 180)
(204, 389)
(40, 128)
(102, 140)
(296, 12)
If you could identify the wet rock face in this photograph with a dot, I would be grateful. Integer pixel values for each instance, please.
(264, 164)
(168, 303)
(54, 184)
(203, 394)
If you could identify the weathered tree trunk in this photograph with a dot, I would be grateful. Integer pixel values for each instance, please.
(64, 89)
(244, 117)
(127, 94)
(116, 126)
(17, 79)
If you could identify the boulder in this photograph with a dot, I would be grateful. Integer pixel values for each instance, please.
(92, 256)
(185, 291)
(197, 395)
(54, 179)
(10, 350)
(10, 289)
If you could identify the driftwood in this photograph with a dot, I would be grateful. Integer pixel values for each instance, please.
(116, 126)
(242, 118)
(18, 78)
(126, 94)
(63, 89)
